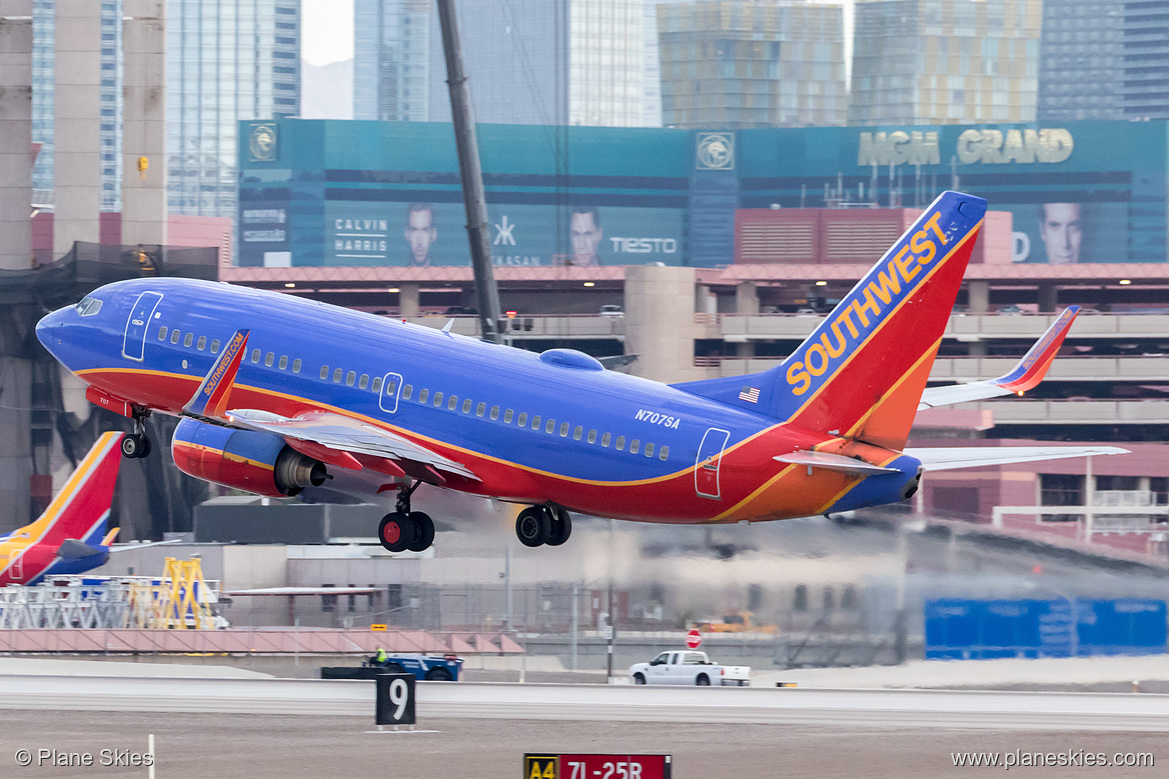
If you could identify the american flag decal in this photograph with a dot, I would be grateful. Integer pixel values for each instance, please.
(749, 394)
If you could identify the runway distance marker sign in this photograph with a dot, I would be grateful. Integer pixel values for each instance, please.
(544, 766)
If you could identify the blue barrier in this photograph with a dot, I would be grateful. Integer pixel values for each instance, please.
(958, 629)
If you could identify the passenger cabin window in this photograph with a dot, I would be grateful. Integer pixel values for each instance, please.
(283, 362)
(437, 399)
(188, 339)
(350, 378)
(324, 372)
(507, 415)
(174, 336)
(564, 430)
(255, 355)
(634, 445)
(494, 413)
(215, 346)
(423, 394)
(592, 436)
(202, 343)
(337, 375)
(407, 391)
(523, 419)
(376, 387)
(162, 333)
(467, 406)
(577, 432)
(480, 409)
(548, 428)
(536, 422)
(363, 382)
(453, 403)
(269, 358)
(605, 440)
(296, 365)
(664, 453)
(649, 450)
(620, 443)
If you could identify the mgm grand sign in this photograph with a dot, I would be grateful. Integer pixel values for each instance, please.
(994, 147)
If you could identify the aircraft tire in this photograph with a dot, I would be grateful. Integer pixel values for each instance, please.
(396, 532)
(561, 527)
(533, 526)
(135, 446)
(425, 531)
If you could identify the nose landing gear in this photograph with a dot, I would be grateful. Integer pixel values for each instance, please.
(137, 444)
(406, 530)
(539, 525)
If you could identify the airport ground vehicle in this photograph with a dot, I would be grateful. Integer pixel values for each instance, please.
(739, 622)
(688, 667)
(424, 668)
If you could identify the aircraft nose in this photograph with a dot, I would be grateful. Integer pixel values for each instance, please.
(49, 328)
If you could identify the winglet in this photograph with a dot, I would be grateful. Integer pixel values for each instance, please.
(1026, 374)
(110, 536)
(210, 400)
(1033, 367)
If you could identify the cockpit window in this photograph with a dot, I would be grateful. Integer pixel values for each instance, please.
(88, 306)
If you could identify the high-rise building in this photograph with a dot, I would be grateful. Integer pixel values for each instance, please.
(945, 61)
(43, 92)
(1080, 60)
(558, 62)
(1145, 59)
(746, 63)
(391, 60)
(241, 61)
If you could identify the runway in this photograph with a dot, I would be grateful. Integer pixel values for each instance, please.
(991, 710)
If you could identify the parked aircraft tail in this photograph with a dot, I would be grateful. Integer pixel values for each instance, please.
(81, 510)
(862, 371)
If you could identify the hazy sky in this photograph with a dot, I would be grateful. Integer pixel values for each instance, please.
(326, 31)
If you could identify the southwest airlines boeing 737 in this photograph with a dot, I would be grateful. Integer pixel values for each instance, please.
(279, 394)
(70, 536)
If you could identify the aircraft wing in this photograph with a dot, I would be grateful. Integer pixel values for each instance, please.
(950, 458)
(336, 439)
(1026, 374)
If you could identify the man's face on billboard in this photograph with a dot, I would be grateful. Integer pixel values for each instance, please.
(420, 233)
(586, 237)
(1060, 232)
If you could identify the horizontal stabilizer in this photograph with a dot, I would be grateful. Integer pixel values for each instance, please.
(833, 462)
(951, 458)
(72, 548)
(1026, 374)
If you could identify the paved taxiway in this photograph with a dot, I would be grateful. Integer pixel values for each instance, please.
(997, 710)
(276, 747)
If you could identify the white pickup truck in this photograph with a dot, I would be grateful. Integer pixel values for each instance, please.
(688, 667)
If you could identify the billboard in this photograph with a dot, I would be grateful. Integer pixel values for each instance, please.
(427, 234)
(1065, 233)
(959, 629)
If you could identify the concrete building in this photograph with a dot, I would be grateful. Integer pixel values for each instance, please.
(391, 60)
(242, 62)
(751, 64)
(16, 155)
(550, 62)
(945, 61)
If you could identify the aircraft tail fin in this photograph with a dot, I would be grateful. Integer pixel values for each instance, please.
(81, 509)
(862, 371)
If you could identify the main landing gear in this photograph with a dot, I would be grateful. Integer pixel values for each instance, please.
(137, 444)
(539, 525)
(406, 530)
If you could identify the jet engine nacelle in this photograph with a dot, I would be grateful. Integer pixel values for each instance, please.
(243, 459)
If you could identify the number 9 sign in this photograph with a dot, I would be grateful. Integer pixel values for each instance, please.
(395, 699)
